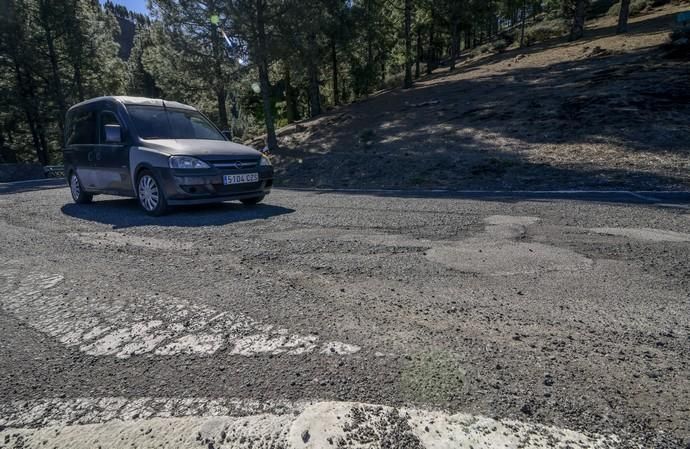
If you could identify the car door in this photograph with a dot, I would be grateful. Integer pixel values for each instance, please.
(111, 159)
(81, 141)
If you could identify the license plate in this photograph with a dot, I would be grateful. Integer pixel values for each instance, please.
(240, 179)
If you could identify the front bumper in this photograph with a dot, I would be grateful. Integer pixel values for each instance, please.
(206, 186)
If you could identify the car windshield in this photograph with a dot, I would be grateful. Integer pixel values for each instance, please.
(152, 122)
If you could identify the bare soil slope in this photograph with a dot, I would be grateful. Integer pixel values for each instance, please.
(605, 112)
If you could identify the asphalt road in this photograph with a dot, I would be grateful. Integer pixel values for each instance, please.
(351, 319)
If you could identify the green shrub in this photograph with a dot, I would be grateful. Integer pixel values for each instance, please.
(392, 81)
(499, 45)
(637, 7)
(599, 8)
(478, 51)
(496, 46)
(545, 30)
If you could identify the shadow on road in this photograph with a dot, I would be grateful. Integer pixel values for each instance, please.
(126, 213)
(30, 186)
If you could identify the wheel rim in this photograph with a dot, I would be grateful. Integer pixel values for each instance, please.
(149, 196)
(75, 187)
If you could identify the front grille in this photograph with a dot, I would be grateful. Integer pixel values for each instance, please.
(234, 164)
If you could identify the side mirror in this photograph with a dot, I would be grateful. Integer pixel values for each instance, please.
(227, 133)
(265, 150)
(113, 134)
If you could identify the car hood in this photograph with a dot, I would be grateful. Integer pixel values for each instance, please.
(200, 148)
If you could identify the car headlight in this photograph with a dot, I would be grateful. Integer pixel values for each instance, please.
(187, 162)
(265, 161)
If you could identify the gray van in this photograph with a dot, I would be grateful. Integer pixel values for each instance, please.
(161, 152)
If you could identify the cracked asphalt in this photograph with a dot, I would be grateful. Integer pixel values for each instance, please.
(346, 319)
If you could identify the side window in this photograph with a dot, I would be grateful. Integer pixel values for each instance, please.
(82, 129)
(107, 118)
(69, 129)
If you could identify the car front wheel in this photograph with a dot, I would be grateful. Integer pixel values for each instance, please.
(78, 194)
(150, 194)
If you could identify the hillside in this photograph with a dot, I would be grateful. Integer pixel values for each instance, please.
(604, 112)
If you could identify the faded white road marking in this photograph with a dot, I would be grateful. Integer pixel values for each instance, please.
(61, 412)
(191, 422)
(336, 347)
(122, 328)
(649, 234)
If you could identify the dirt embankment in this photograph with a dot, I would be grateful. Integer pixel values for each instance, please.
(605, 112)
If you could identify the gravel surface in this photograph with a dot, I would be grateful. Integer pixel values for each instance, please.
(472, 320)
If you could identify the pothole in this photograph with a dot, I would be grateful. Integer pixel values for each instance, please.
(507, 258)
(496, 252)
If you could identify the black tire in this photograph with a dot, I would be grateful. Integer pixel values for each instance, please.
(79, 196)
(253, 200)
(150, 194)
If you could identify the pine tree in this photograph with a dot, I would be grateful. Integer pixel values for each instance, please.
(623, 17)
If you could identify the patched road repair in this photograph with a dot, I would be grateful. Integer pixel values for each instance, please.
(346, 319)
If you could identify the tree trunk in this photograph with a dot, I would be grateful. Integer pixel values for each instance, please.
(234, 108)
(370, 37)
(218, 78)
(79, 82)
(26, 90)
(271, 140)
(417, 72)
(623, 17)
(408, 45)
(431, 54)
(55, 72)
(290, 102)
(75, 49)
(57, 83)
(522, 27)
(43, 154)
(40, 153)
(334, 68)
(7, 153)
(489, 28)
(221, 97)
(578, 28)
(313, 73)
(264, 82)
(455, 44)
